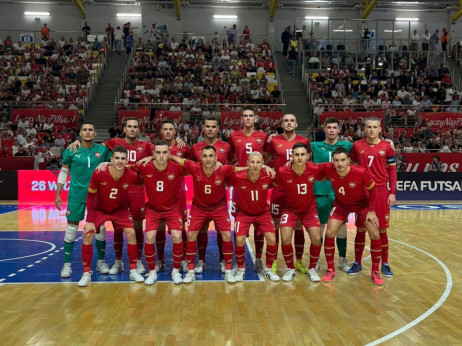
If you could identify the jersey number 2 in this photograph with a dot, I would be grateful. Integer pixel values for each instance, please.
(113, 194)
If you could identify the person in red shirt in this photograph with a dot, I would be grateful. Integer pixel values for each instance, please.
(107, 200)
(246, 33)
(354, 193)
(280, 147)
(244, 142)
(297, 181)
(161, 181)
(252, 188)
(378, 158)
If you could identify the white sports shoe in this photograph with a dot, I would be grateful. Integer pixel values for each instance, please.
(269, 274)
(117, 267)
(239, 274)
(66, 270)
(184, 267)
(176, 277)
(102, 267)
(222, 267)
(85, 280)
(160, 266)
(343, 264)
(140, 267)
(289, 275)
(189, 277)
(229, 277)
(258, 267)
(200, 267)
(136, 276)
(313, 275)
(152, 277)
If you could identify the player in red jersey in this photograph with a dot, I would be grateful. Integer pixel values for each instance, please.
(281, 148)
(252, 189)
(168, 131)
(161, 181)
(297, 181)
(224, 154)
(244, 142)
(378, 158)
(107, 200)
(354, 193)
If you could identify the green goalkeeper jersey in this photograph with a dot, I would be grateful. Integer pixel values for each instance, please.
(322, 152)
(82, 164)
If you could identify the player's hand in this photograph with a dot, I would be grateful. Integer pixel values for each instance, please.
(289, 163)
(391, 200)
(58, 202)
(74, 146)
(89, 226)
(180, 143)
(218, 165)
(270, 137)
(145, 161)
(102, 166)
(269, 171)
(372, 218)
(392, 144)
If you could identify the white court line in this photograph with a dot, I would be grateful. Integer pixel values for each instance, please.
(430, 311)
(254, 259)
(53, 246)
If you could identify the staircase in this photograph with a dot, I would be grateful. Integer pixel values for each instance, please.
(101, 110)
(294, 94)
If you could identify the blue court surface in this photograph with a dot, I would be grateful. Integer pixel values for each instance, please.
(427, 207)
(37, 257)
(7, 208)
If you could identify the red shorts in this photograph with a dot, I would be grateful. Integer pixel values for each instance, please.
(183, 207)
(172, 218)
(340, 212)
(263, 223)
(382, 210)
(121, 218)
(219, 215)
(309, 219)
(136, 203)
(277, 203)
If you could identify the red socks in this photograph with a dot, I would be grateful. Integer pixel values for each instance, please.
(191, 250)
(132, 251)
(118, 243)
(177, 255)
(220, 245)
(228, 254)
(315, 250)
(384, 240)
(360, 243)
(87, 255)
(329, 251)
(288, 253)
(240, 255)
(140, 242)
(160, 244)
(150, 254)
(202, 240)
(376, 254)
(299, 241)
(271, 255)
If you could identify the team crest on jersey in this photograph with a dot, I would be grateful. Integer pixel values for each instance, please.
(180, 220)
(310, 179)
(362, 151)
(218, 182)
(130, 218)
(179, 154)
(104, 183)
(259, 140)
(149, 175)
(228, 220)
(222, 150)
(352, 185)
(125, 186)
(264, 186)
(140, 149)
(97, 155)
(171, 177)
(316, 216)
(381, 153)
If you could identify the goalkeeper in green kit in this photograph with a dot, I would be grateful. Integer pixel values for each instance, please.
(81, 165)
(322, 152)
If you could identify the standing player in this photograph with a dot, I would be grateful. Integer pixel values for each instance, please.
(107, 200)
(322, 152)
(161, 181)
(350, 184)
(297, 181)
(81, 164)
(252, 188)
(378, 158)
(281, 148)
(224, 154)
(244, 142)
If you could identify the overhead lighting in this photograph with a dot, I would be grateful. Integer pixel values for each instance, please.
(37, 13)
(225, 16)
(408, 19)
(314, 17)
(128, 14)
(341, 30)
(392, 30)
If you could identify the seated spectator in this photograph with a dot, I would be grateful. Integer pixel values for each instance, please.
(5, 152)
(433, 145)
(436, 164)
(60, 141)
(457, 146)
(21, 151)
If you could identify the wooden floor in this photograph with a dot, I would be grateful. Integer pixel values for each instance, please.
(412, 308)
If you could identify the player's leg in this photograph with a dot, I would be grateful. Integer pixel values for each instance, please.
(299, 243)
(74, 214)
(315, 250)
(382, 211)
(153, 221)
(385, 269)
(137, 204)
(336, 218)
(100, 242)
(223, 225)
(241, 230)
(266, 227)
(376, 249)
(360, 244)
(259, 241)
(276, 206)
(87, 254)
(174, 224)
(287, 225)
(341, 241)
(196, 221)
(202, 241)
(184, 235)
(161, 238)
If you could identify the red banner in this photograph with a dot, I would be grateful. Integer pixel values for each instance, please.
(342, 116)
(143, 116)
(445, 120)
(67, 118)
(270, 119)
(176, 116)
(422, 162)
(231, 118)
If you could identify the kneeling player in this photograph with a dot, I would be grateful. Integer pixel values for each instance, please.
(252, 188)
(350, 184)
(107, 200)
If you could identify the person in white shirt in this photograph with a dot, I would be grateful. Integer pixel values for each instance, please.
(367, 102)
(450, 94)
(23, 123)
(426, 41)
(414, 41)
(30, 129)
(22, 137)
(174, 44)
(402, 92)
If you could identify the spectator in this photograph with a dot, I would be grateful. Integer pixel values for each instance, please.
(48, 126)
(285, 38)
(426, 37)
(291, 58)
(434, 39)
(319, 135)
(436, 164)
(232, 34)
(433, 145)
(86, 31)
(23, 123)
(45, 32)
(444, 40)
(60, 141)
(118, 40)
(456, 147)
(21, 151)
(110, 35)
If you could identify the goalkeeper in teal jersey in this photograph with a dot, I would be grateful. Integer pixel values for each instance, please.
(322, 152)
(81, 164)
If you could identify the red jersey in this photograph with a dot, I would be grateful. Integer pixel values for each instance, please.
(183, 153)
(107, 194)
(298, 189)
(161, 186)
(281, 148)
(209, 192)
(378, 160)
(242, 145)
(224, 152)
(136, 151)
(252, 197)
(351, 190)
